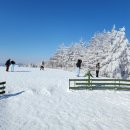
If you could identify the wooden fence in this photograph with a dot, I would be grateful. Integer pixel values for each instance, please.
(99, 84)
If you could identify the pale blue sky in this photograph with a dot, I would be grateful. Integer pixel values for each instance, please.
(32, 30)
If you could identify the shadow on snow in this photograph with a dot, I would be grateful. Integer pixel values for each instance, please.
(20, 71)
(5, 96)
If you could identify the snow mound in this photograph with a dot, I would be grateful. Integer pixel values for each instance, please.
(39, 100)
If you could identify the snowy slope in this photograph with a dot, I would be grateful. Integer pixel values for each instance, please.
(41, 100)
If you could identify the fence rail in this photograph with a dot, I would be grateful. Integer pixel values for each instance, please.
(118, 84)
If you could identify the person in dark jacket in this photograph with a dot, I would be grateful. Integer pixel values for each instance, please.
(97, 69)
(78, 65)
(42, 66)
(12, 65)
(7, 64)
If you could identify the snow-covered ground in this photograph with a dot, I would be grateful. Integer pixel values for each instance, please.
(41, 100)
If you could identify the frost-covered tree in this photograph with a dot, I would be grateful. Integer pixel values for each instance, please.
(118, 62)
(65, 57)
(110, 48)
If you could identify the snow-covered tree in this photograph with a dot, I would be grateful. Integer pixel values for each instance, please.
(118, 62)
(110, 48)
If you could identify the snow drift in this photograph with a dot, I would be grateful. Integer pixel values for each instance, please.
(41, 100)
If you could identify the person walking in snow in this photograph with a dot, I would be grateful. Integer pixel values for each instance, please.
(78, 65)
(42, 66)
(7, 64)
(97, 69)
(12, 65)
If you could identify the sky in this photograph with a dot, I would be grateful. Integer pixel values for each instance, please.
(32, 30)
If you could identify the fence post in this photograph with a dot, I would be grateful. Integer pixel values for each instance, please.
(89, 75)
(74, 83)
(69, 83)
(115, 83)
(91, 82)
(119, 82)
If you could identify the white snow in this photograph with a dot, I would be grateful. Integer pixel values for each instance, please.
(41, 100)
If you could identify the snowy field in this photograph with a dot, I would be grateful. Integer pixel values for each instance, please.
(41, 100)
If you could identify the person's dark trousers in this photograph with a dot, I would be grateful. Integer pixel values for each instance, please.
(97, 72)
(7, 68)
